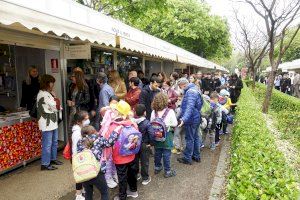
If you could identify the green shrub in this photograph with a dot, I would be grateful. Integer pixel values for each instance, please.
(279, 100)
(258, 169)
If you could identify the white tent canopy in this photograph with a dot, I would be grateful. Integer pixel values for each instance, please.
(289, 66)
(68, 18)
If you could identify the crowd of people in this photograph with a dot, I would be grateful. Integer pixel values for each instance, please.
(123, 122)
(289, 84)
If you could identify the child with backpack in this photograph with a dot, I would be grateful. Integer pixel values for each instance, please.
(226, 105)
(124, 151)
(163, 121)
(213, 122)
(80, 120)
(92, 142)
(108, 114)
(147, 131)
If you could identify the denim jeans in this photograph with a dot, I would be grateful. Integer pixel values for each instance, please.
(49, 146)
(192, 149)
(100, 184)
(165, 154)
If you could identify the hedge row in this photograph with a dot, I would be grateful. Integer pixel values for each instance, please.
(286, 110)
(279, 100)
(258, 169)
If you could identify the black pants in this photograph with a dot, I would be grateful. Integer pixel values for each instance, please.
(224, 122)
(143, 157)
(78, 186)
(217, 136)
(100, 184)
(277, 87)
(127, 174)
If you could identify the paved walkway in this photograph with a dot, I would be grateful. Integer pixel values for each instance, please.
(192, 182)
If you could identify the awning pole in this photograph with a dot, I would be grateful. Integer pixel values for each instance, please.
(63, 72)
(144, 64)
(115, 60)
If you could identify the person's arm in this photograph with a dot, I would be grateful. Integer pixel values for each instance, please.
(191, 100)
(80, 146)
(24, 98)
(122, 90)
(102, 142)
(142, 99)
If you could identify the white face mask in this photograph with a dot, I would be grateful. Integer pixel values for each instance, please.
(86, 122)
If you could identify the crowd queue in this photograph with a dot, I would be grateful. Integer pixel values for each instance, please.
(289, 84)
(121, 122)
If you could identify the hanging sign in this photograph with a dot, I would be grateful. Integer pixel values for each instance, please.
(77, 51)
(54, 66)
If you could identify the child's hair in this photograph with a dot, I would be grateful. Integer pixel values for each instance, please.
(85, 131)
(114, 97)
(79, 116)
(140, 110)
(214, 95)
(160, 102)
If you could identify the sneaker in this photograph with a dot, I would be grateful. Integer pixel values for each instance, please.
(169, 174)
(56, 162)
(145, 182)
(176, 151)
(49, 167)
(117, 198)
(202, 146)
(157, 171)
(184, 161)
(79, 197)
(198, 160)
(111, 183)
(115, 177)
(132, 194)
(139, 176)
(212, 147)
(217, 143)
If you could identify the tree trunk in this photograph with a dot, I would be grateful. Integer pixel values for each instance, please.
(266, 103)
(253, 77)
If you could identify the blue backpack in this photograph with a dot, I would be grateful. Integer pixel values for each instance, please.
(230, 119)
(130, 141)
(159, 126)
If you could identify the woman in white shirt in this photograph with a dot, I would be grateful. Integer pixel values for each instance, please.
(48, 107)
(163, 149)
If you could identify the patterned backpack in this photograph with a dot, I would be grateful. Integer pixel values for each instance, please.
(159, 126)
(130, 140)
(85, 166)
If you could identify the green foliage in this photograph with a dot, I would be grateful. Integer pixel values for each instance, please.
(293, 52)
(286, 110)
(258, 169)
(189, 25)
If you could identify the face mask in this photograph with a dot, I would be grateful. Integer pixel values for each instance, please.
(86, 122)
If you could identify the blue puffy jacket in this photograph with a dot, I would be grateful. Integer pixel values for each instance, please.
(191, 105)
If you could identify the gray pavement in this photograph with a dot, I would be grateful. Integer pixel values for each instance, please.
(192, 182)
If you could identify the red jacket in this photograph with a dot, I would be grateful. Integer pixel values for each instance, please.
(117, 158)
(173, 98)
(132, 97)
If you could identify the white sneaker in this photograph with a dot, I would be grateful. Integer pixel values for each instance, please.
(132, 194)
(79, 197)
(115, 177)
(145, 182)
(139, 176)
(111, 183)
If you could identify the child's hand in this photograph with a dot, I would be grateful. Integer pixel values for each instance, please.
(118, 129)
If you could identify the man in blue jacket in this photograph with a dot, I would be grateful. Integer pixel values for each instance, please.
(190, 118)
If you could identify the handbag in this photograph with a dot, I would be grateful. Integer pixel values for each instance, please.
(67, 152)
